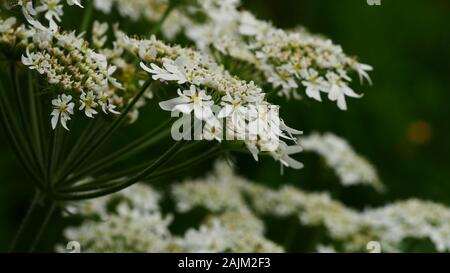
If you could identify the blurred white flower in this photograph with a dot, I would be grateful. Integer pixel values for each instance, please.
(7, 24)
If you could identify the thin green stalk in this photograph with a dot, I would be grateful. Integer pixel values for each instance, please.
(26, 221)
(290, 235)
(35, 121)
(43, 226)
(163, 159)
(22, 124)
(138, 145)
(120, 174)
(86, 137)
(97, 144)
(13, 137)
(53, 156)
(88, 10)
(157, 27)
(188, 163)
(48, 163)
(103, 182)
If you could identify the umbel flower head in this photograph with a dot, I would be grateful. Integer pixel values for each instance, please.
(203, 84)
(67, 62)
(289, 60)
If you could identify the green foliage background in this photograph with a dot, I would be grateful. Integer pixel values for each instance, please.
(408, 44)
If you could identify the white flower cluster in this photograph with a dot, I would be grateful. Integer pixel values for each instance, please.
(289, 60)
(127, 71)
(293, 59)
(151, 10)
(411, 219)
(231, 231)
(132, 221)
(13, 35)
(129, 221)
(351, 229)
(231, 108)
(52, 9)
(217, 191)
(67, 62)
(351, 168)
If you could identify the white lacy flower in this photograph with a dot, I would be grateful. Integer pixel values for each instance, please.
(111, 79)
(88, 104)
(62, 109)
(390, 225)
(283, 152)
(132, 221)
(337, 91)
(65, 60)
(53, 11)
(170, 72)
(247, 116)
(314, 84)
(362, 69)
(192, 100)
(105, 102)
(287, 59)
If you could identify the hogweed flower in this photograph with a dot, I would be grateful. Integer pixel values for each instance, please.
(132, 221)
(62, 109)
(68, 63)
(288, 60)
(232, 223)
(351, 229)
(351, 168)
(207, 80)
(94, 74)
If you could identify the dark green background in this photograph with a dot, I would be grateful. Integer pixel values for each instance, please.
(407, 43)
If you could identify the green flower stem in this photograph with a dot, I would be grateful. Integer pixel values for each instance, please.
(187, 164)
(136, 146)
(87, 136)
(109, 180)
(14, 138)
(53, 156)
(102, 139)
(26, 221)
(88, 10)
(163, 159)
(22, 124)
(122, 173)
(43, 226)
(34, 110)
